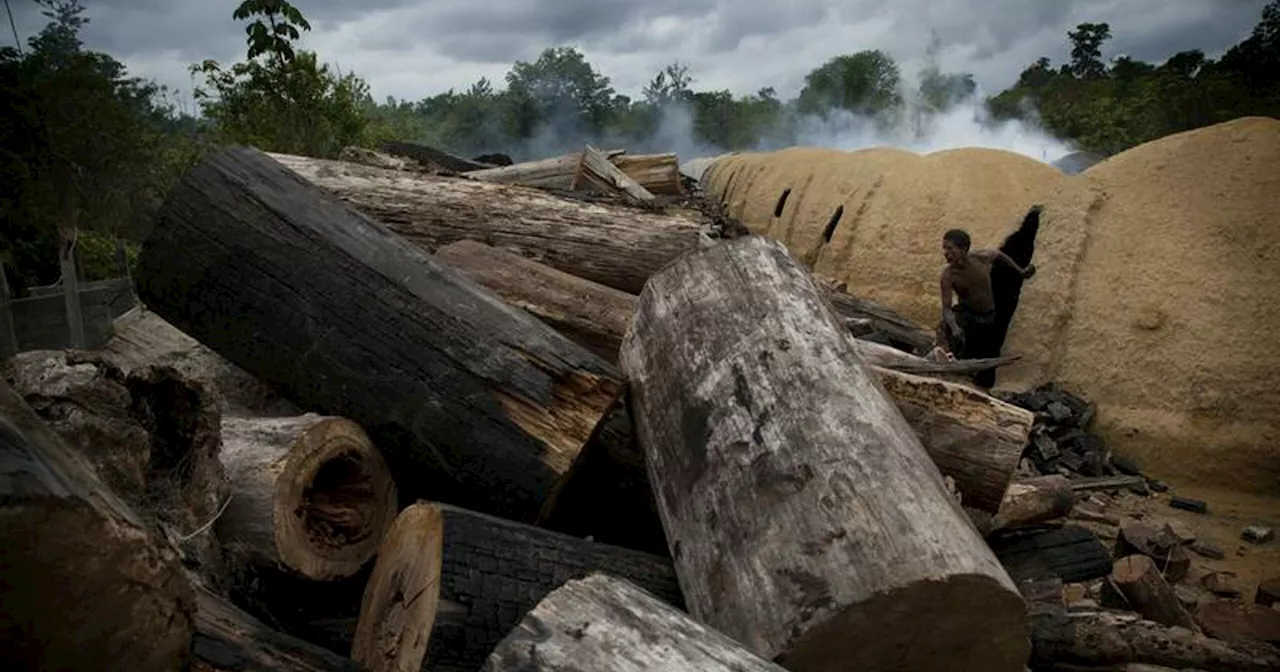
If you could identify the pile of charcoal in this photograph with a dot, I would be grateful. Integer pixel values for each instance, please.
(1061, 442)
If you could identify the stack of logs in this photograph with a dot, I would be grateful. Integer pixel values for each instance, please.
(381, 419)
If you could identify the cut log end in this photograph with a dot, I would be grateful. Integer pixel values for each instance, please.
(320, 484)
(400, 600)
(977, 625)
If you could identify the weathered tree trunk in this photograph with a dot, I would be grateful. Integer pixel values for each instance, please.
(779, 463)
(874, 322)
(595, 171)
(553, 173)
(229, 640)
(615, 245)
(605, 623)
(311, 494)
(1034, 500)
(1142, 585)
(889, 357)
(491, 571)
(593, 315)
(1108, 638)
(151, 436)
(84, 585)
(470, 400)
(973, 437)
(658, 173)
(1073, 554)
(143, 339)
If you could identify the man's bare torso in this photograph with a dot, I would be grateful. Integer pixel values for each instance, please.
(972, 282)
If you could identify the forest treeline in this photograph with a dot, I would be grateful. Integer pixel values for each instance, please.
(89, 148)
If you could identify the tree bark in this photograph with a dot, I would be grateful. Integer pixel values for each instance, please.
(875, 322)
(311, 494)
(658, 173)
(615, 245)
(1109, 638)
(84, 585)
(1171, 558)
(470, 400)
(1073, 554)
(229, 640)
(779, 463)
(595, 171)
(591, 314)
(491, 572)
(552, 173)
(605, 623)
(1142, 585)
(1034, 500)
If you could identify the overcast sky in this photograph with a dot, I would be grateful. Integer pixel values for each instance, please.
(416, 48)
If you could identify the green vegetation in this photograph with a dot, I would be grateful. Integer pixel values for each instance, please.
(89, 149)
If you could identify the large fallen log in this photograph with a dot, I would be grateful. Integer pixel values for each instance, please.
(871, 321)
(615, 245)
(1113, 639)
(490, 572)
(779, 464)
(973, 437)
(84, 585)
(595, 172)
(593, 315)
(605, 623)
(151, 436)
(310, 495)
(470, 400)
(229, 640)
(658, 173)
(556, 172)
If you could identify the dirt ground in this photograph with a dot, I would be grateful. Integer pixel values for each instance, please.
(1228, 514)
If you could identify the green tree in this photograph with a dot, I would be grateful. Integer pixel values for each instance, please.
(560, 89)
(863, 83)
(280, 99)
(1086, 49)
(84, 149)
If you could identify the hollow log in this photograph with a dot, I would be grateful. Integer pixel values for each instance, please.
(658, 173)
(591, 314)
(595, 172)
(1034, 500)
(1144, 588)
(310, 494)
(584, 624)
(84, 584)
(490, 572)
(1108, 638)
(1072, 553)
(470, 400)
(779, 463)
(229, 640)
(617, 246)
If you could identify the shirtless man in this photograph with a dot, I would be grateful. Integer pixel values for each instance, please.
(966, 329)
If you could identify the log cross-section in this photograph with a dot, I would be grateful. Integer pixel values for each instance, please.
(469, 399)
(805, 518)
(84, 584)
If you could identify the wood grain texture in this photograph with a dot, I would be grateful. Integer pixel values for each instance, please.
(780, 463)
(1034, 500)
(615, 245)
(596, 172)
(69, 548)
(310, 494)
(469, 399)
(493, 571)
(605, 623)
(1140, 582)
(591, 314)
(658, 173)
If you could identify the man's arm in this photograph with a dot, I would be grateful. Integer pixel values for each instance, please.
(948, 315)
(997, 255)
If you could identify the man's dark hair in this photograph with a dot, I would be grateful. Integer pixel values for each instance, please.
(958, 237)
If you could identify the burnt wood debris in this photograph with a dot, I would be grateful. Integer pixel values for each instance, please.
(407, 410)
